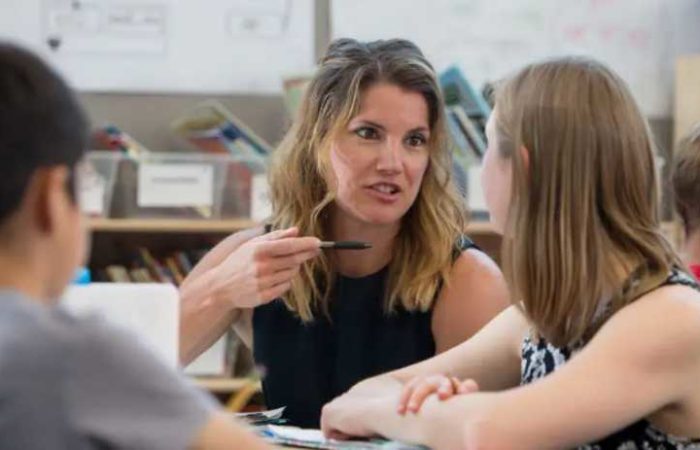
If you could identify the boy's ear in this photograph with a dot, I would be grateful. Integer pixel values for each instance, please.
(48, 189)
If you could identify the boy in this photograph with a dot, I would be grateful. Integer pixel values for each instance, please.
(67, 382)
(685, 179)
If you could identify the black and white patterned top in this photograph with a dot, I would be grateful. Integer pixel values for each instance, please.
(540, 358)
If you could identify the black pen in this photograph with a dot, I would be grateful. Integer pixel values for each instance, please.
(337, 245)
(346, 245)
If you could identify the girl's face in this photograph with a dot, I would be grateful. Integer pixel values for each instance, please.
(496, 178)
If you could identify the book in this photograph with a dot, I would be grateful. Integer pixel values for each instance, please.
(149, 262)
(458, 91)
(140, 275)
(111, 137)
(465, 152)
(273, 417)
(183, 262)
(211, 127)
(172, 266)
(468, 112)
(156, 270)
(294, 89)
(117, 274)
(145, 267)
(476, 137)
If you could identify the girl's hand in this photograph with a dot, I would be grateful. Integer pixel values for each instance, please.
(418, 389)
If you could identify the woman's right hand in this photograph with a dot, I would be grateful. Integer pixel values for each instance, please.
(261, 269)
(419, 388)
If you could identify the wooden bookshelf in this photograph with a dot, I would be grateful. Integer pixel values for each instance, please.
(205, 226)
(168, 225)
(480, 227)
(117, 240)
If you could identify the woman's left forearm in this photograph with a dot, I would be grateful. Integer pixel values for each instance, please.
(378, 386)
(439, 424)
(460, 422)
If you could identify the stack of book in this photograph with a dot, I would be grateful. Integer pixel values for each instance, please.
(111, 137)
(145, 268)
(294, 90)
(212, 128)
(467, 112)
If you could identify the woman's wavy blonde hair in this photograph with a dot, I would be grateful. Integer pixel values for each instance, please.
(427, 241)
(584, 206)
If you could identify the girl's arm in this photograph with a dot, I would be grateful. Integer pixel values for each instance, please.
(633, 367)
(491, 358)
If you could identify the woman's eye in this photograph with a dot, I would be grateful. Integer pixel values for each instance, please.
(416, 140)
(367, 133)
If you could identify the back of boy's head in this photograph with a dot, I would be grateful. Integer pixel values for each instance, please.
(685, 179)
(41, 124)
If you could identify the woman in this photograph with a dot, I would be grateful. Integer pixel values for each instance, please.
(582, 359)
(366, 160)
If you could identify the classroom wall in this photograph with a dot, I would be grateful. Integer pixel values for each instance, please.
(147, 117)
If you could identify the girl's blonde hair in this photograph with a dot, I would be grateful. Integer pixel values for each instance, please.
(583, 212)
(425, 246)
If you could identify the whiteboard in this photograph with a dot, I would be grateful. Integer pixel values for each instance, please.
(215, 46)
(489, 39)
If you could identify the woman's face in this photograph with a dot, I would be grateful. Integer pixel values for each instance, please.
(496, 178)
(379, 160)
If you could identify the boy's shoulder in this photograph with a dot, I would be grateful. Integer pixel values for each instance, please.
(41, 341)
(76, 378)
(31, 335)
(33, 373)
(36, 341)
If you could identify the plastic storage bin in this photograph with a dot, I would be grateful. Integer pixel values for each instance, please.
(184, 186)
(245, 190)
(96, 176)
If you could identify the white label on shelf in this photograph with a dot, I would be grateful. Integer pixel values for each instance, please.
(260, 205)
(175, 185)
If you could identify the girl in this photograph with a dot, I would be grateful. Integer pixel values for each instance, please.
(582, 358)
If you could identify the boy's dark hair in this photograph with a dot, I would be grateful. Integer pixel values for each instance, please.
(41, 124)
(685, 179)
